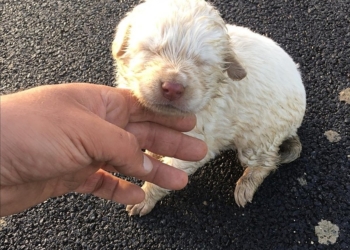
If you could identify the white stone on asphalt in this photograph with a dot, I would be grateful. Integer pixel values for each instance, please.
(332, 136)
(327, 232)
(344, 96)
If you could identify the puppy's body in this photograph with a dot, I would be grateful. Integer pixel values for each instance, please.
(245, 90)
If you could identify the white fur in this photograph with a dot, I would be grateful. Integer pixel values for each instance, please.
(188, 42)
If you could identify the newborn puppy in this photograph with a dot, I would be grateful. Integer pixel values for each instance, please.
(179, 57)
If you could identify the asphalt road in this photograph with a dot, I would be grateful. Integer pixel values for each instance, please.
(47, 42)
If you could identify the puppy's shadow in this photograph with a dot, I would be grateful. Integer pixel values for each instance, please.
(215, 182)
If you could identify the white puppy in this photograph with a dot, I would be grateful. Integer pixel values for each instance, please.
(179, 57)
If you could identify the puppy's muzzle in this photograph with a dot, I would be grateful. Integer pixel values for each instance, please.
(172, 90)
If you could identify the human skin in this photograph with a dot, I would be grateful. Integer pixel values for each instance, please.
(66, 138)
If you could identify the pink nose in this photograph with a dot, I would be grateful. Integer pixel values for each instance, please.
(172, 91)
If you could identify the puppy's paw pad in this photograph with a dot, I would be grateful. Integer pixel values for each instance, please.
(244, 191)
(140, 209)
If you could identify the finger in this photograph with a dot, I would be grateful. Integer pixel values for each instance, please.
(166, 176)
(167, 142)
(180, 123)
(107, 186)
(115, 97)
(162, 175)
(118, 106)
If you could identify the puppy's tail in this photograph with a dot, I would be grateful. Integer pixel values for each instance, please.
(290, 149)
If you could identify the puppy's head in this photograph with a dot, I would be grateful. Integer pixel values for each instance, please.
(174, 54)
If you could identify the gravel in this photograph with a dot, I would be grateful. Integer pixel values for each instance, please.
(50, 42)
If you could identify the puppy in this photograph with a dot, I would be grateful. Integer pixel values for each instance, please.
(179, 57)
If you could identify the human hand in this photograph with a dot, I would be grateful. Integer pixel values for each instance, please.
(61, 138)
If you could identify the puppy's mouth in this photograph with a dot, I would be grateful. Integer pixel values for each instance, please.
(167, 108)
(169, 100)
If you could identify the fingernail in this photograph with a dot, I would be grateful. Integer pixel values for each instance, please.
(147, 164)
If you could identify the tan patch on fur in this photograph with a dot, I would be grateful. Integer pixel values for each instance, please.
(235, 70)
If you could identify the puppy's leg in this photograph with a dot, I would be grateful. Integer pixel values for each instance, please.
(247, 185)
(154, 193)
(259, 166)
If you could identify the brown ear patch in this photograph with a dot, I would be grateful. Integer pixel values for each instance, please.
(235, 70)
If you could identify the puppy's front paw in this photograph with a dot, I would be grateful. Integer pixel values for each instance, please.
(141, 209)
(153, 193)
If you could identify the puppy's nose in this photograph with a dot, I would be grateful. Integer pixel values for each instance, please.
(172, 91)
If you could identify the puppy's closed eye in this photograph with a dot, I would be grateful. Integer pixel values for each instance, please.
(199, 62)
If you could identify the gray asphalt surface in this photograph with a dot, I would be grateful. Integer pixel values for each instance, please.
(49, 42)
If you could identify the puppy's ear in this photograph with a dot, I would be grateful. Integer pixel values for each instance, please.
(235, 70)
(120, 42)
